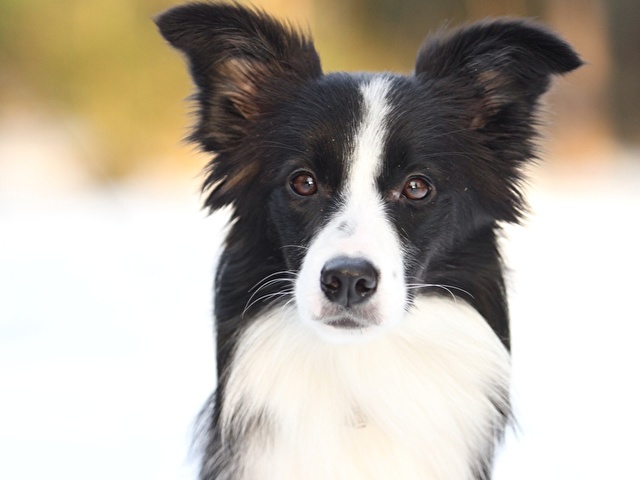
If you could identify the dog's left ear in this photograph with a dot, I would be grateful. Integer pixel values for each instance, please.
(505, 63)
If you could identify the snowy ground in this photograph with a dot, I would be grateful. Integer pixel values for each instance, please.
(106, 351)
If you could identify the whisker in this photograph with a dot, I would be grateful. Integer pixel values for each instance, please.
(282, 272)
(269, 281)
(274, 281)
(273, 295)
(264, 286)
(289, 301)
(447, 288)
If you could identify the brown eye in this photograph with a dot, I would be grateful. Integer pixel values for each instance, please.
(416, 188)
(304, 184)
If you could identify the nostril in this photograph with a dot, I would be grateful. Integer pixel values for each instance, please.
(331, 283)
(348, 281)
(364, 286)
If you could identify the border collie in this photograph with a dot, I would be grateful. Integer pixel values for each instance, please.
(361, 317)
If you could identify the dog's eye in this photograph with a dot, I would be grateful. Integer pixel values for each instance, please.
(304, 184)
(416, 188)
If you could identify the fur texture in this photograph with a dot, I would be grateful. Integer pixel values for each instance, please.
(361, 317)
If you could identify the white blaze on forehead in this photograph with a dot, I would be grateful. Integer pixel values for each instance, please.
(366, 157)
(359, 229)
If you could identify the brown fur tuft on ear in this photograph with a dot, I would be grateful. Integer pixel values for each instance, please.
(240, 83)
(243, 63)
(507, 62)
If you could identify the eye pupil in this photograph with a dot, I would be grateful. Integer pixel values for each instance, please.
(416, 188)
(304, 184)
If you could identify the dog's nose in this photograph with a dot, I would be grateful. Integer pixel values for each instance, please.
(348, 281)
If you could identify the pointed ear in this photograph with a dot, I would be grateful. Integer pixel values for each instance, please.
(506, 63)
(242, 61)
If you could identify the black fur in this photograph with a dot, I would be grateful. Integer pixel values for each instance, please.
(466, 118)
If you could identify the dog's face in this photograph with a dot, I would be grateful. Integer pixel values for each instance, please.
(364, 186)
(348, 254)
(360, 203)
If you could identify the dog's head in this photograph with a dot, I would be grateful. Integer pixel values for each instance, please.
(364, 188)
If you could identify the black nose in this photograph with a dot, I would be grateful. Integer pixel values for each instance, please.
(348, 281)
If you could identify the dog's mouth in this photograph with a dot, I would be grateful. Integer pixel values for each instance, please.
(346, 323)
(347, 327)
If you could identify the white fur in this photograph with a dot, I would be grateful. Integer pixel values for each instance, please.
(366, 157)
(414, 404)
(359, 229)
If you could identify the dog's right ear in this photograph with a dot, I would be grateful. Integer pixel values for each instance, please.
(243, 63)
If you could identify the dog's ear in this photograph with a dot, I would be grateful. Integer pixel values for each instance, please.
(242, 61)
(506, 63)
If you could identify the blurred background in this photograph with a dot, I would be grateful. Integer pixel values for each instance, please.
(106, 260)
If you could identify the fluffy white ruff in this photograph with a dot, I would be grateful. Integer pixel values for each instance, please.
(416, 403)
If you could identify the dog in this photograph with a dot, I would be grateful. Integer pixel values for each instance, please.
(361, 316)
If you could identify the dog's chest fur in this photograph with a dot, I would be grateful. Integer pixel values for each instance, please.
(418, 403)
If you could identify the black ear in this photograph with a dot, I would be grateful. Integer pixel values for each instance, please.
(507, 63)
(243, 63)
